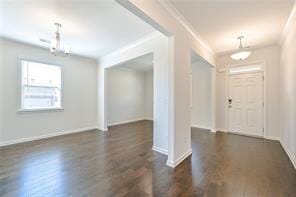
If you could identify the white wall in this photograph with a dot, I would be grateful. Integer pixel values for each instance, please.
(182, 39)
(1, 87)
(80, 92)
(129, 95)
(148, 94)
(271, 56)
(288, 89)
(201, 95)
(156, 44)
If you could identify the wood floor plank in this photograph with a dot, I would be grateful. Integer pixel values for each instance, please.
(120, 162)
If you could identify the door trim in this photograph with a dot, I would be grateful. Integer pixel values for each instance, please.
(264, 69)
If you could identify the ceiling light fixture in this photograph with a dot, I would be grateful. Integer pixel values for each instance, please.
(242, 53)
(54, 43)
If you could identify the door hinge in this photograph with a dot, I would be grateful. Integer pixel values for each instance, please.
(263, 130)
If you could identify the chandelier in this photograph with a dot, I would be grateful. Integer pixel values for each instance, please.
(55, 43)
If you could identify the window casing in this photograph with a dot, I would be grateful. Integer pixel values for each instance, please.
(41, 86)
(245, 69)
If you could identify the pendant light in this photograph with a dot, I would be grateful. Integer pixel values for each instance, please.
(54, 43)
(242, 53)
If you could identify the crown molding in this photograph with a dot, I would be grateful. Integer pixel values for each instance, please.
(124, 67)
(289, 24)
(181, 19)
(253, 48)
(134, 43)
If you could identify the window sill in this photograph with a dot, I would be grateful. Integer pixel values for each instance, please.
(40, 110)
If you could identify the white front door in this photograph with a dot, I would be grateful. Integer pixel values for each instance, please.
(245, 103)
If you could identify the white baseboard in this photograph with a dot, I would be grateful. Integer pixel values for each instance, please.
(126, 121)
(222, 130)
(204, 127)
(272, 138)
(102, 129)
(160, 150)
(266, 137)
(39, 137)
(146, 118)
(200, 127)
(174, 164)
(293, 160)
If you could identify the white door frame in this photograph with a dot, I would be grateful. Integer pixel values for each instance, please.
(264, 69)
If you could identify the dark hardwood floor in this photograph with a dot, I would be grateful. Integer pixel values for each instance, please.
(121, 163)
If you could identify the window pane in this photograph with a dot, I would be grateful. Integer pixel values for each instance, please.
(245, 69)
(41, 85)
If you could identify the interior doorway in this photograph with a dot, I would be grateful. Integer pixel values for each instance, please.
(202, 81)
(130, 91)
(245, 104)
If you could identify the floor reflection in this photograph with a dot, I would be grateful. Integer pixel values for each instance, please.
(42, 175)
(122, 163)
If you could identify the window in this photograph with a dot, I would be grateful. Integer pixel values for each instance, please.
(41, 86)
(246, 69)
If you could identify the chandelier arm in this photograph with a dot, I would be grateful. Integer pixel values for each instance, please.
(54, 43)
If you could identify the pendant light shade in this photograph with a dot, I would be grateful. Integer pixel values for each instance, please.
(242, 53)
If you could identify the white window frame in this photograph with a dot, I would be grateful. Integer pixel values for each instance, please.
(246, 68)
(20, 89)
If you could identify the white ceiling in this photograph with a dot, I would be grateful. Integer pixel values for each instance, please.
(220, 22)
(142, 63)
(91, 28)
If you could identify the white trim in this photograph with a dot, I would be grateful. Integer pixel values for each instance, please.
(28, 139)
(288, 24)
(213, 99)
(126, 121)
(102, 129)
(264, 70)
(145, 118)
(106, 99)
(247, 135)
(20, 89)
(293, 160)
(174, 164)
(40, 110)
(160, 150)
(171, 100)
(272, 138)
(132, 45)
(237, 133)
(254, 48)
(201, 127)
(181, 19)
(255, 68)
(106, 74)
(221, 130)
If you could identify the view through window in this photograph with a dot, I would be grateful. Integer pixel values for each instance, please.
(40, 85)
